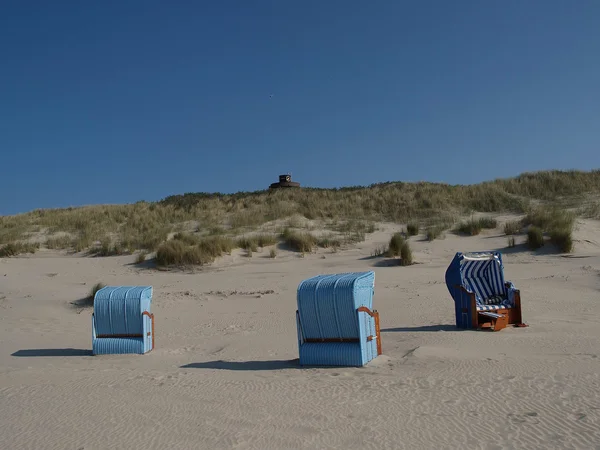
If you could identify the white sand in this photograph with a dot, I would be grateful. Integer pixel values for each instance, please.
(224, 374)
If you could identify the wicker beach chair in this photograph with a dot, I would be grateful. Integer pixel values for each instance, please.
(122, 321)
(335, 320)
(482, 298)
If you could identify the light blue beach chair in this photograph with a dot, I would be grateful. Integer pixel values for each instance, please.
(122, 321)
(335, 321)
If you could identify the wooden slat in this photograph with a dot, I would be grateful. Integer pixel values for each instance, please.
(378, 333)
(146, 313)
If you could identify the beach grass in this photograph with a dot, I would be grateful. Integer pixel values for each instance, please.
(350, 213)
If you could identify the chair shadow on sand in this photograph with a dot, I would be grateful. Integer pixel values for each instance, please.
(41, 352)
(430, 328)
(277, 364)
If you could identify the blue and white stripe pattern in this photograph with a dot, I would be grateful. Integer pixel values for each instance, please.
(493, 307)
(491, 314)
(118, 314)
(327, 309)
(483, 275)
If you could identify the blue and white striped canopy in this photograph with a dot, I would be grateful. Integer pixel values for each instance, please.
(479, 272)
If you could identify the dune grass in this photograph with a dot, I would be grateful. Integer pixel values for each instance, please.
(395, 245)
(473, 227)
(350, 211)
(557, 223)
(299, 241)
(406, 258)
(17, 248)
(562, 239)
(512, 242)
(380, 250)
(535, 238)
(329, 241)
(253, 243)
(434, 232)
(512, 227)
(412, 229)
(399, 246)
(141, 257)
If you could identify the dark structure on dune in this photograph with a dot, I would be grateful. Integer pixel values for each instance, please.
(285, 181)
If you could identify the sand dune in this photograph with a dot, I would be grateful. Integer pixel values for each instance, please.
(224, 373)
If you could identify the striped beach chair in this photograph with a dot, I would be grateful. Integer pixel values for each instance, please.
(122, 321)
(482, 298)
(335, 320)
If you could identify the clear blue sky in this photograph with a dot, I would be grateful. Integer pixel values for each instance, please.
(117, 101)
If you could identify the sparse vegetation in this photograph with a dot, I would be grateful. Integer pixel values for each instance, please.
(215, 246)
(549, 218)
(380, 250)
(355, 226)
(248, 244)
(395, 245)
(488, 223)
(474, 226)
(141, 257)
(562, 239)
(590, 210)
(406, 258)
(177, 253)
(108, 248)
(273, 253)
(17, 248)
(471, 227)
(300, 242)
(182, 252)
(512, 227)
(434, 232)
(186, 238)
(556, 222)
(59, 242)
(412, 229)
(535, 238)
(254, 242)
(329, 241)
(350, 211)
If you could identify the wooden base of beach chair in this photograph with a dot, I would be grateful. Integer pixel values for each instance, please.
(480, 320)
(495, 321)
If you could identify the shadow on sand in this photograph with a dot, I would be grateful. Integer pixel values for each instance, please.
(371, 257)
(36, 352)
(246, 365)
(86, 302)
(547, 250)
(147, 264)
(429, 328)
(391, 262)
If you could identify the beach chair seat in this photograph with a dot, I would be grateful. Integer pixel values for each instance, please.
(497, 321)
(481, 295)
(335, 321)
(122, 322)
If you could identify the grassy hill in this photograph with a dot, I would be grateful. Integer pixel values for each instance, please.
(206, 225)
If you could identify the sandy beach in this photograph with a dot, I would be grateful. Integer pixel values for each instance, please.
(224, 373)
